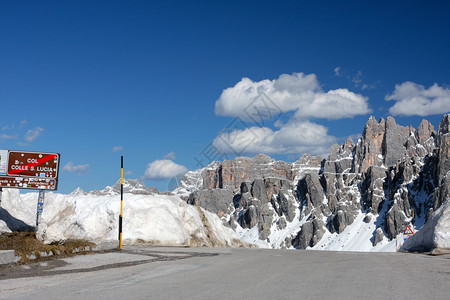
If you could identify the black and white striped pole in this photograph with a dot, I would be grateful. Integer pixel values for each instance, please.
(121, 203)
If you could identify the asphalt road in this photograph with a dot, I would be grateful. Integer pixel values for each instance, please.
(202, 273)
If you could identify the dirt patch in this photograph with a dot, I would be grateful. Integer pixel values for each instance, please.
(27, 246)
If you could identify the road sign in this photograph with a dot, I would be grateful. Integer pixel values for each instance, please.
(408, 230)
(34, 164)
(3, 162)
(36, 183)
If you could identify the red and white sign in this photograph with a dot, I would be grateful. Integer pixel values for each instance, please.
(408, 230)
(34, 164)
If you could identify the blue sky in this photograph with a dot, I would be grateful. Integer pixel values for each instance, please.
(160, 82)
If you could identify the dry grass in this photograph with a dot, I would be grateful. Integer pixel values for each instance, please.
(26, 244)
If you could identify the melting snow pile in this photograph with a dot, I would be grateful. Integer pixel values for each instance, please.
(435, 234)
(159, 219)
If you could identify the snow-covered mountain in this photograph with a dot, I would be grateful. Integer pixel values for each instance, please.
(360, 198)
(132, 186)
(191, 181)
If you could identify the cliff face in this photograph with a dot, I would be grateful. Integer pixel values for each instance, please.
(231, 173)
(384, 143)
(394, 175)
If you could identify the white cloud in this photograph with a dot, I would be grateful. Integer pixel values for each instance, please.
(261, 103)
(414, 99)
(337, 71)
(170, 155)
(369, 86)
(335, 104)
(297, 92)
(79, 169)
(117, 148)
(163, 169)
(295, 137)
(8, 137)
(128, 172)
(8, 127)
(33, 134)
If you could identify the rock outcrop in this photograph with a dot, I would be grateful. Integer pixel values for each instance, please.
(230, 173)
(373, 187)
(213, 200)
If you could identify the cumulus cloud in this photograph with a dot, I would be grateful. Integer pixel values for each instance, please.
(297, 92)
(294, 137)
(335, 104)
(259, 105)
(33, 134)
(117, 148)
(79, 169)
(163, 169)
(170, 155)
(414, 99)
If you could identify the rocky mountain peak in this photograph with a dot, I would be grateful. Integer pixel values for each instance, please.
(78, 191)
(343, 151)
(384, 143)
(133, 186)
(349, 143)
(392, 176)
(370, 147)
(425, 135)
(444, 124)
(443, 128)
(373, 129)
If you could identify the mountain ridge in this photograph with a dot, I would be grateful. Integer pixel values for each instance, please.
(133, 186)
(392, 177)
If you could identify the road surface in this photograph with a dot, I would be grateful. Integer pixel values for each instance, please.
(141, 272)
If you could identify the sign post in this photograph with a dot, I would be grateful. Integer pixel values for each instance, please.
(40, 208)
(29, 170)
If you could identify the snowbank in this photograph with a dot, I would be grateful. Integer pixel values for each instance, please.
(159, 219)
(168, 220)
(434, 235)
